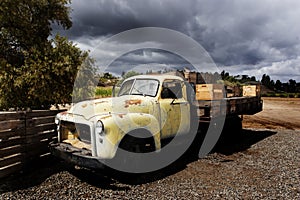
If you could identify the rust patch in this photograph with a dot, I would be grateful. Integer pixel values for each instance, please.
(100, 102)
(132, 102)
(106, 117)
(121, 115)
(64, 113)
(84, 105)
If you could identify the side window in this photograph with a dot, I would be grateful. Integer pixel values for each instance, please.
(171, 89)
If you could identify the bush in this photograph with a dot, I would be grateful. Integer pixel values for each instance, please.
(103, 92)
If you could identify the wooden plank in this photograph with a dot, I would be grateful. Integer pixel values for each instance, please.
(43, 113)
(37, 152)
(11, 115)
(10, 160)
(11, 142)
(38, 137)
(13, 124)
(33, 146)
(11, 151)
(38, 129)
(10, 170)
(210, 91)
(39, 121)
(5, 135)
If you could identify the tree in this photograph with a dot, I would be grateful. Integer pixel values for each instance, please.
(253, 78)
(26, 25)
(35, 71)
(278, 85)
(292, 86)
(45, 78)
(224, 75)
(266, 81)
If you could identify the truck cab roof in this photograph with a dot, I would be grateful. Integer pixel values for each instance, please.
(159, 77)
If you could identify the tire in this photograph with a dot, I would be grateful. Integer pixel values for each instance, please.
(131, 150)
(137, 145)
(232, 128)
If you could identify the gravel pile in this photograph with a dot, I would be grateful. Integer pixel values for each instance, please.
(261, 165)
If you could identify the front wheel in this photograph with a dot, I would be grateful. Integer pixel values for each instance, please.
(130, 153)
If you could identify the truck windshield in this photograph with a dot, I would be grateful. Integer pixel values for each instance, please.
(146, 87)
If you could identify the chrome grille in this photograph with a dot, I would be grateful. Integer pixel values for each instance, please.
(83, 131)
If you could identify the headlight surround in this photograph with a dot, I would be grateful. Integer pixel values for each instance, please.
(99, 128)
(56, 121)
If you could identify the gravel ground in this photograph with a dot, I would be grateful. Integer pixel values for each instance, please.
(263, 164)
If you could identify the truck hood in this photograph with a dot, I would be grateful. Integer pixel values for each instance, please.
(124, 104)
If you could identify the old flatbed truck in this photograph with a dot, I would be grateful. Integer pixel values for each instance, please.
(147, 113)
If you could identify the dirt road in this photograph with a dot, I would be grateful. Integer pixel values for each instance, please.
(278, 113)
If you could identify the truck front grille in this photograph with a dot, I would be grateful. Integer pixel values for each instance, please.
(81, 131)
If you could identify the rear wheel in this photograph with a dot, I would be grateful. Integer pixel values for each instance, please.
(232, 128)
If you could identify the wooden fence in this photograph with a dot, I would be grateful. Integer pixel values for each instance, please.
(24, 137)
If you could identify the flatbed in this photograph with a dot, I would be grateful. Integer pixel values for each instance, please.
(228, 106)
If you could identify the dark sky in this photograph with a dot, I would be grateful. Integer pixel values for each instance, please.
(242, 36)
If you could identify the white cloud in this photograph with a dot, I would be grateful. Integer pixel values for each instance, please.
(253, 37)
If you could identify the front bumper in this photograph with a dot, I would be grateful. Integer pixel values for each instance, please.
(80, 157)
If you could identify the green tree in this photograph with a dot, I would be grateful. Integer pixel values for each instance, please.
(35, 71)
(292, 85)
(266, 80)
(26, 25)
(278, 85)
(253, 78)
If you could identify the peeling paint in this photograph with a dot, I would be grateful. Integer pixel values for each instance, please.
(63, 113)
(121, 115)
(106, 117)
(132, 102)
(100, 102)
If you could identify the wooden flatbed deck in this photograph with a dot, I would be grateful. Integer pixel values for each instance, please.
(233, 106)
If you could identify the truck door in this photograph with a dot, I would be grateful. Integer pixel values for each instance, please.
(175, 108)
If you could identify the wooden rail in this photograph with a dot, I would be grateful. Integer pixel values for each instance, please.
(228, 106)
(24, 137)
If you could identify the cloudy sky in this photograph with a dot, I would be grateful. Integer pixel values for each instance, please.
(242, 36)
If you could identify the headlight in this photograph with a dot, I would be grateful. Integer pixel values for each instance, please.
(99, 128)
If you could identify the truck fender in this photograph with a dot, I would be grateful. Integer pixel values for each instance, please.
(117, 126)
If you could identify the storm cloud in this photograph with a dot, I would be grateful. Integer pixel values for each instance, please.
(243, 37)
